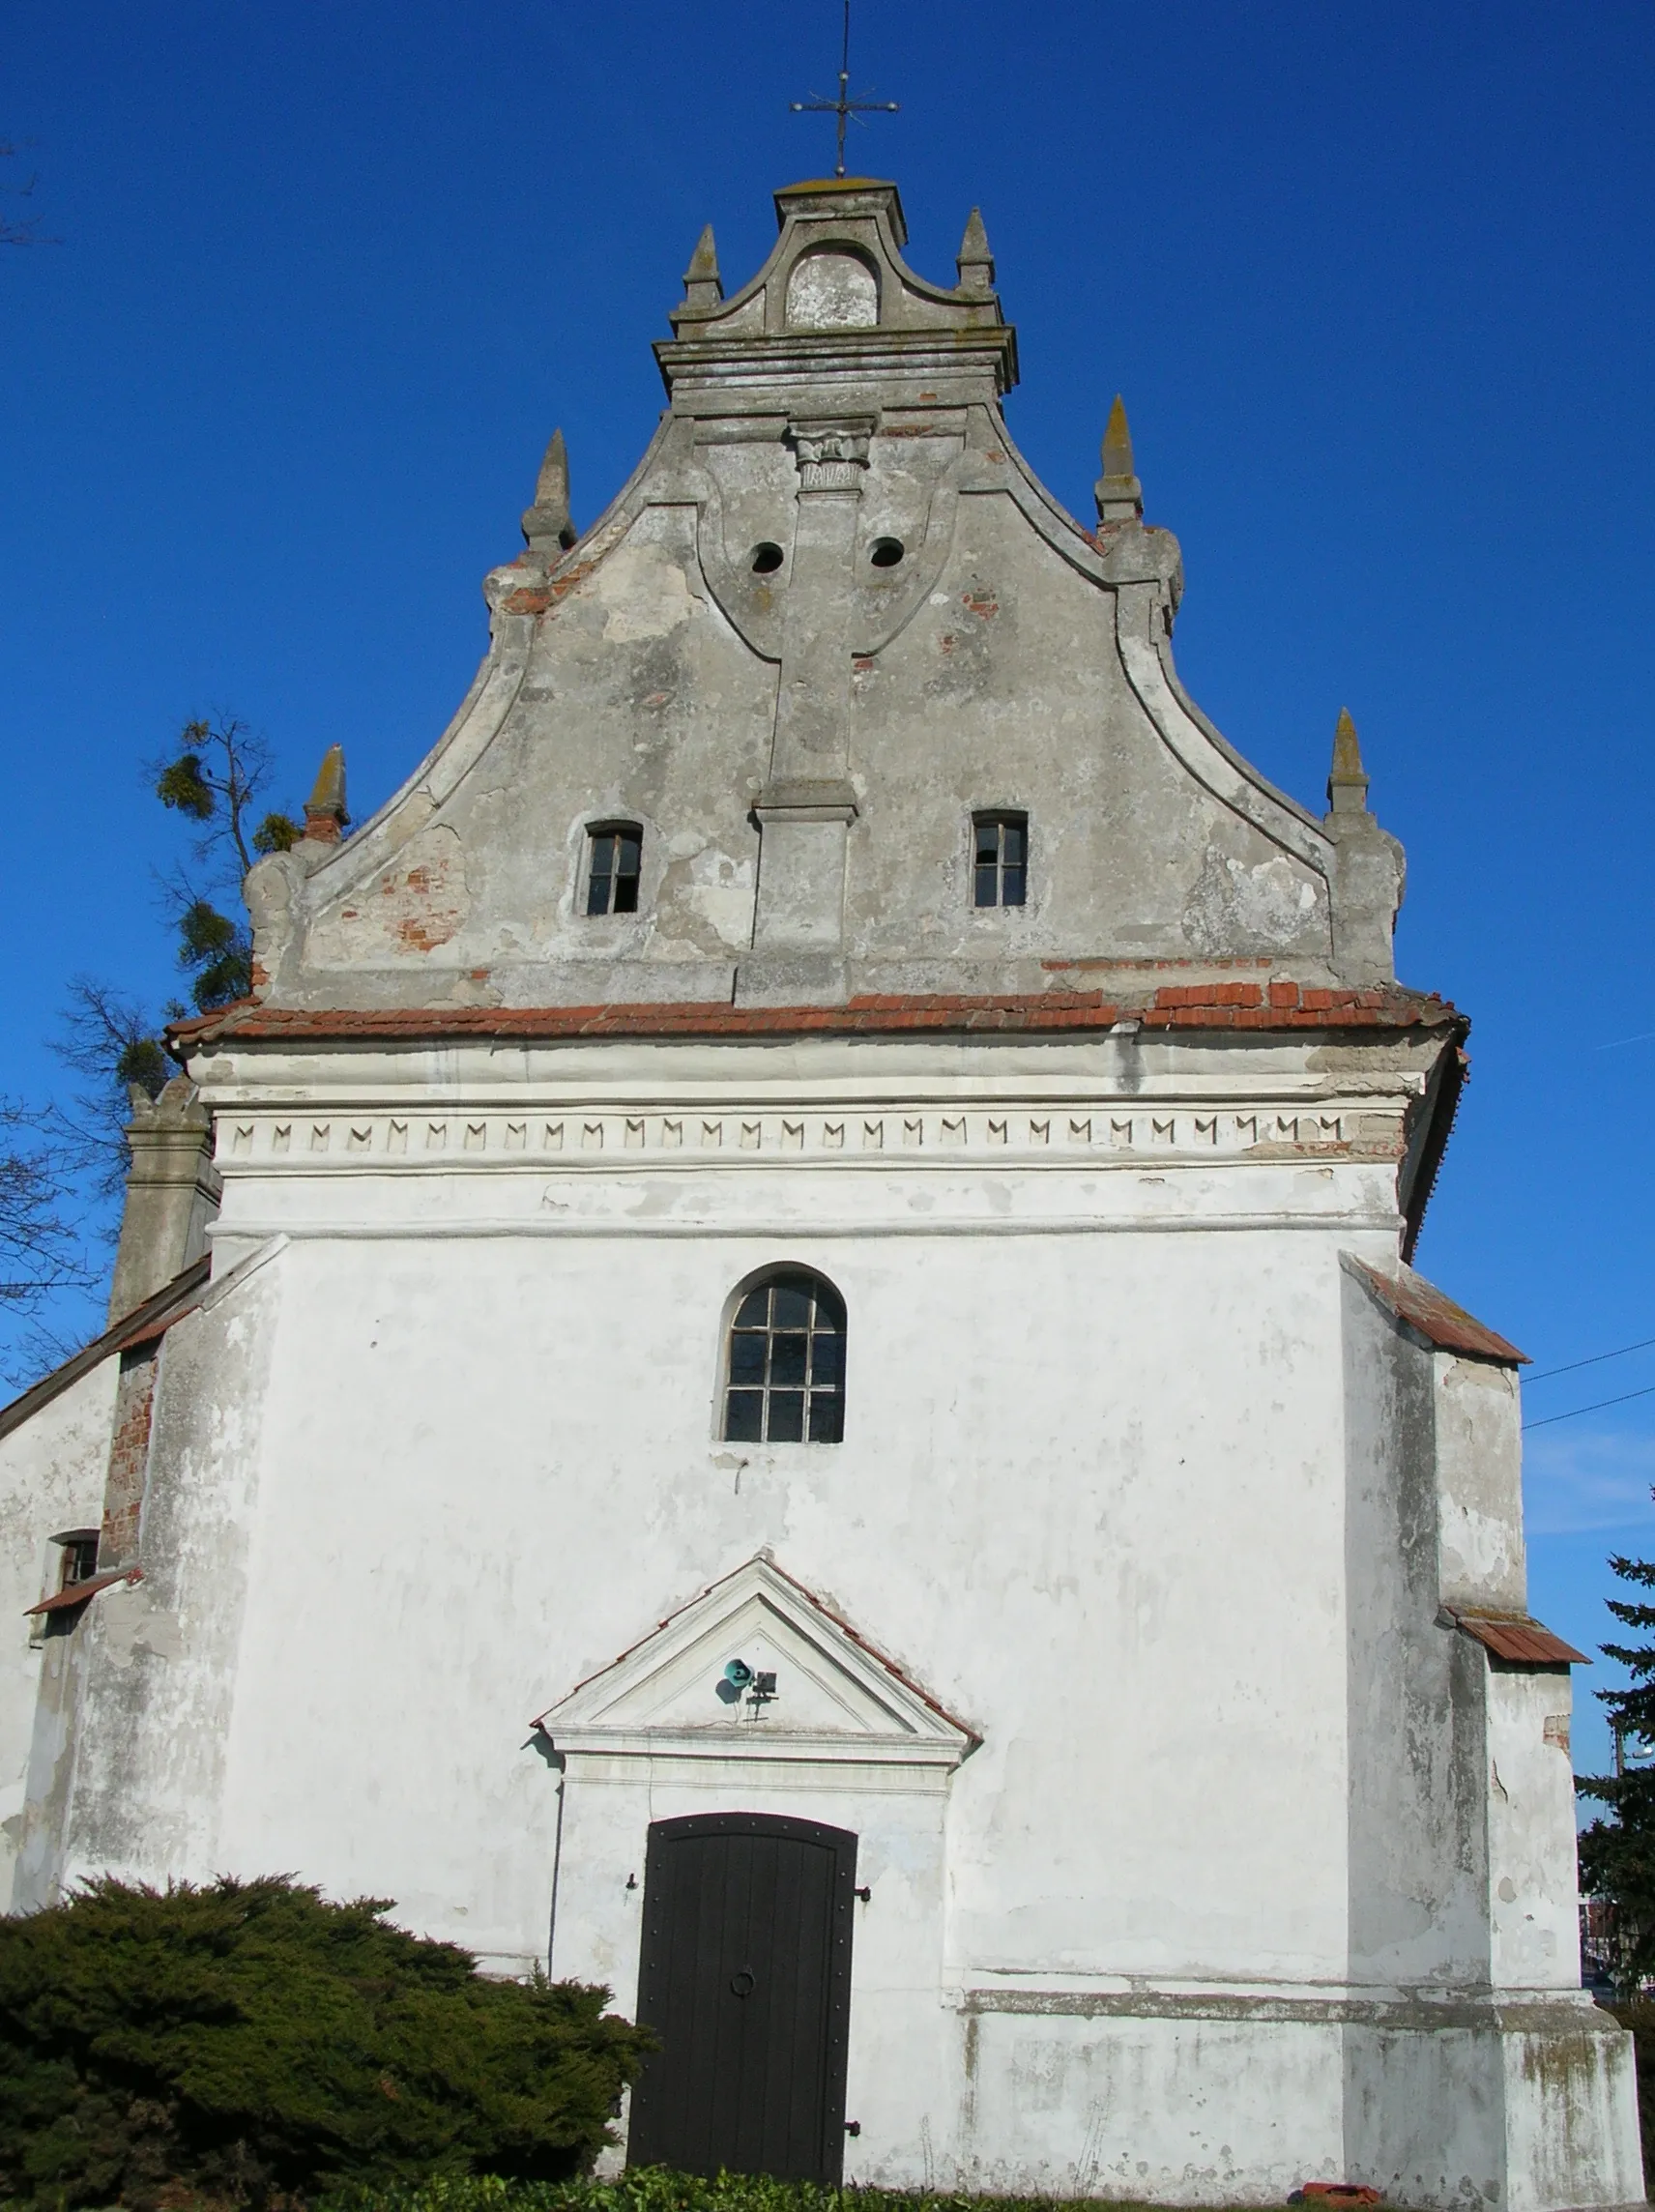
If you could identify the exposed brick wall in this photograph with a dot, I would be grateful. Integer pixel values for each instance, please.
(129, 1458)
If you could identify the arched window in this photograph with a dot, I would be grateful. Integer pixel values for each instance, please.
(785, 1382)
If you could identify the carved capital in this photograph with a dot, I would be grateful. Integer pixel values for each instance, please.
(833, 455)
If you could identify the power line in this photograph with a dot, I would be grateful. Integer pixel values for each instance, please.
(1649, 1392)
(1546, 1374)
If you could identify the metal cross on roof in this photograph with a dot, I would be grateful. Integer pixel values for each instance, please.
(844, 107)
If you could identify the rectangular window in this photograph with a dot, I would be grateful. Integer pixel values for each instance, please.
(1000, 866)
(614, 851)
(79, 1560)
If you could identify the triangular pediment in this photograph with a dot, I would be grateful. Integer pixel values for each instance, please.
(834, 1695)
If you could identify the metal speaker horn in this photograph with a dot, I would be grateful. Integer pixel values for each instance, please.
(738, 1674)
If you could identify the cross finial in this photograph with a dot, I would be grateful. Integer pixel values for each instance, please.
(844, 107)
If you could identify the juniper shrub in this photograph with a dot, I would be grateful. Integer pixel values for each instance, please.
(250, 2043)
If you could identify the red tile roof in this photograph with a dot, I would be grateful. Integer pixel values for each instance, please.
(1269, 1004)
(1437, 1317)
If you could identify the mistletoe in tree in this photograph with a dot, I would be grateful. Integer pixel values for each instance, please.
(1617, 1855)
(215, 777)
(214, 774)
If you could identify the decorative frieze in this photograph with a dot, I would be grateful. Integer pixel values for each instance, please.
(897, 1135)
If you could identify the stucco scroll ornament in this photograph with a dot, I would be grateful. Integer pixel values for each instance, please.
(273, 892)
(887, 599)
(749, 598)
(747, 492)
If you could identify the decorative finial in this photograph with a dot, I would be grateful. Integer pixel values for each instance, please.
(546, 525)
(973, 261)
(1348, 784)
(703, 288)
(1119, 494)
(844, 107)
(325, 815)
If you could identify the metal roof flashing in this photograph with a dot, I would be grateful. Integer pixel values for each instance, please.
(1514, 1640)
(1432, 1315)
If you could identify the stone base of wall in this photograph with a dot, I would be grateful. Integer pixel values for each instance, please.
(1447, 2105)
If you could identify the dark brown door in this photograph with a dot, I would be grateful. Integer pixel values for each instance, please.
(746, 1978)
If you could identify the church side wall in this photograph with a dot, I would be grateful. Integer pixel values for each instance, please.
(1418, 1851)
(1461, 1856)
(162, 1675)
(51, 1479)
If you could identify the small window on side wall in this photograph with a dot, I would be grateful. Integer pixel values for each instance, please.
(785, 1379)
(79, 1557)
(614, 851)
(1000, 865)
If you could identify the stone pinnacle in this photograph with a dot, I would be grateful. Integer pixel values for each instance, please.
(325, 815)
(1348, 782)
(973, 261)
(1119, 494)
(703, 286)
(546, 525)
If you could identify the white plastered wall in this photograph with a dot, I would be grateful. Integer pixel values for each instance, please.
(53, 1468)
(1095, 1495)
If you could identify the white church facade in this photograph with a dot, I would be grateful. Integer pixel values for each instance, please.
(775, 1364)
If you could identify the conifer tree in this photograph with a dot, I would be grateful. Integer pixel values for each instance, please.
(1617, 1855)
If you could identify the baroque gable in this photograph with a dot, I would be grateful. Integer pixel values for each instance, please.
(831, 620)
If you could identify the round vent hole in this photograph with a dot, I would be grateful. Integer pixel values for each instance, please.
(887, 552)
(766, 559)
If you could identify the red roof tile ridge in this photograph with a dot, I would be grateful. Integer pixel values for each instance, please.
(1280, 1005)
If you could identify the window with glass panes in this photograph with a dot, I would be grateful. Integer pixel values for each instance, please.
(999, 867)
(786, 1378)
(79, 1558)
(614, 852)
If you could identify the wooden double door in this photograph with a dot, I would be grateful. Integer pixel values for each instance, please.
(745, 1979)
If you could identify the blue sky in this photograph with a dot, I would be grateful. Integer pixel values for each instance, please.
(1376, 286)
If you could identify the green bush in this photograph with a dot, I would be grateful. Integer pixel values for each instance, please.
(248, 2042)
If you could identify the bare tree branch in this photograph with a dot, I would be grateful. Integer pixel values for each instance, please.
(39, 1246)
(114, 1042)
(27, 232)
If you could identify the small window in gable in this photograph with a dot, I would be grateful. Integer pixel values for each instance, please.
(1000, 865)
(785, 1383)
(614, 851)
